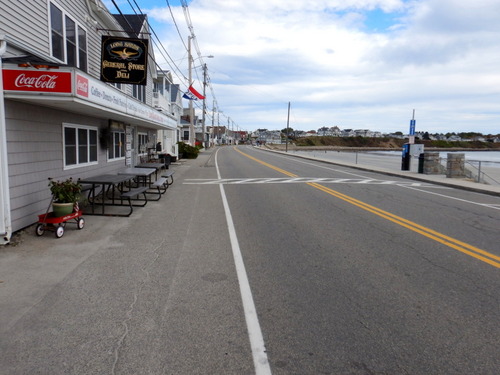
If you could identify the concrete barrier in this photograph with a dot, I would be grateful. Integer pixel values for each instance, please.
(431, 163)
(455, 166)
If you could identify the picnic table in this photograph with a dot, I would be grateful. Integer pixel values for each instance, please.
(111, 183)
(142, 174)
(155, 166)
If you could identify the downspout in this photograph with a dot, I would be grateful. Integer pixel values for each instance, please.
(5, 219)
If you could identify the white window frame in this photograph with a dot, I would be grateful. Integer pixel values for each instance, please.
(112, 145)
(117, 85)
(78, 26)
(142, 142)
(78, 127)
(139, 92)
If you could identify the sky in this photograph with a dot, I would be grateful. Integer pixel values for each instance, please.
(355, 64)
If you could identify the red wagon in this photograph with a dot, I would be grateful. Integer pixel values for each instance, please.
(55, 224)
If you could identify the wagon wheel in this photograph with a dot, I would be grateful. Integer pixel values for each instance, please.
(81, 223)
(39, 230)
(59, 231)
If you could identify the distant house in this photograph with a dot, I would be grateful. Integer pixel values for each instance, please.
(335, 131)
(348, 133)
(363, 133)
(324, 131)
(264, 136)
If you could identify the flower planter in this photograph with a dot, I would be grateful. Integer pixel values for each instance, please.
(62, 209)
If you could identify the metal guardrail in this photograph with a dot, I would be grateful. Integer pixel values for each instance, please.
(475, 172)
(478, 175)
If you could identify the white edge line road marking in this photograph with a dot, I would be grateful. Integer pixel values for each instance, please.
(260, 360)
(457, 199)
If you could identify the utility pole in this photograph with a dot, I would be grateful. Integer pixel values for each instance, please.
(213, 123)
(205, 144)
(192, 134)
(287, 127)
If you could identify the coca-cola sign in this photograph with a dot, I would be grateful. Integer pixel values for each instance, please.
(34, 80)
(82, 86)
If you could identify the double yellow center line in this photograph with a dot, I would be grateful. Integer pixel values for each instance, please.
(463, 247)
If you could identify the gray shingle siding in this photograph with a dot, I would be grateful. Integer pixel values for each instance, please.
(19, 16)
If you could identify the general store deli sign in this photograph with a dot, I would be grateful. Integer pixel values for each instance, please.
(36, 81)
(124, 60)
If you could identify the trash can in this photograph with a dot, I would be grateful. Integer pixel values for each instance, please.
(421, 159)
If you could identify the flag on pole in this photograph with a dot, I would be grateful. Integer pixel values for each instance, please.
(196, 93)
(189, 96)
(192, 94)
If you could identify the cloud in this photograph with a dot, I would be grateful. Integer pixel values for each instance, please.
(350, 63)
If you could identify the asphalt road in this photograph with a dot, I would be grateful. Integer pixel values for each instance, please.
(259, 263)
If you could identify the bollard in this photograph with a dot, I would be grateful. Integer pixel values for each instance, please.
(455, 166)
(431, 163)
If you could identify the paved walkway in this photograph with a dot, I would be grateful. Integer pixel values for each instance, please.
(391, 165)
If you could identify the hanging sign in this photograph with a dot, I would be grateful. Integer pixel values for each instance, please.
(124, 60)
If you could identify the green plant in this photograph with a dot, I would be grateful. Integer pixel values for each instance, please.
(66, 191)
(187, 151)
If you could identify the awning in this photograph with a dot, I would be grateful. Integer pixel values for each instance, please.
(71, 90)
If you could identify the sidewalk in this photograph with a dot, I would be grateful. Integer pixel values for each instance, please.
(390, 165)
(31, 266)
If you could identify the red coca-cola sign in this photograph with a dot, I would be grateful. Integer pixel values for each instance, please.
(82, 86)
(34, 80)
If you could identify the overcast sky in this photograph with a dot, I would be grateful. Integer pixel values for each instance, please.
(360, 64)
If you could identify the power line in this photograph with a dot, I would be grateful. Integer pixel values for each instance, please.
(175, 24)
(164, 53)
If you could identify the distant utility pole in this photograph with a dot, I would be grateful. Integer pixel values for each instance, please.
(287, 127)
(204, 106)
(192, 134)
(212, 133)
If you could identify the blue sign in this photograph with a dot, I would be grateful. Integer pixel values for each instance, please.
(412, 127)
(406, 149)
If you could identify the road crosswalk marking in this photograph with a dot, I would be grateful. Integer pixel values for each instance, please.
(294, 180)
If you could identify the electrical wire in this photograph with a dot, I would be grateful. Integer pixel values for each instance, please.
(168, 59)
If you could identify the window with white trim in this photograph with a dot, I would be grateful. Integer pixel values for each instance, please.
(139, 92)
(80, 145)
(142, 141)
(118, 85)
(68, 39)
(116, 148)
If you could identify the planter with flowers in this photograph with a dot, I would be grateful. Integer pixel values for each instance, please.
(65, 196)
